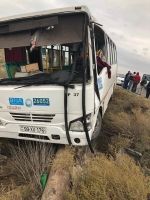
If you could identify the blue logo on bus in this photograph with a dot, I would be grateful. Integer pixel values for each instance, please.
(16, 101)
(100, 85)
(41, 102)
(28, 102)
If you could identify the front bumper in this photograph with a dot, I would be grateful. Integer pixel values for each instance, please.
(13, 131)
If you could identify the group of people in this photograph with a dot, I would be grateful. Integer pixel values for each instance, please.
(132, 80)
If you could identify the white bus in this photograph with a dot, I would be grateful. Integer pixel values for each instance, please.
(55, 91)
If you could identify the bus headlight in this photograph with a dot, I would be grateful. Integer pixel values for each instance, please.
(77, 125)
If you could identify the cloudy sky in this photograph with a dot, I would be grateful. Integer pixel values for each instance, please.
(125, 21)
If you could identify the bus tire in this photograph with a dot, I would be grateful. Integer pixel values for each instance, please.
(98, 126)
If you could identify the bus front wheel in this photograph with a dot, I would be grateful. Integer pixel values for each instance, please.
(98, 126)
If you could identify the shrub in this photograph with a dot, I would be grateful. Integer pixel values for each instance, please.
(30, 160)
(126, 124)
(103, 178)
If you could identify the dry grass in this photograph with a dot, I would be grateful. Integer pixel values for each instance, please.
(104, 179)
(29, 160)
(15, 193)
(126, 124)
(65, 159)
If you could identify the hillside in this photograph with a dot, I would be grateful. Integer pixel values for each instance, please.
(106, 175)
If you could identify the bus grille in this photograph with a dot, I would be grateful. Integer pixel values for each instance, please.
(30, 117)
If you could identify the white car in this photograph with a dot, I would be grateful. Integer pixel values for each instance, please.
(120, 78)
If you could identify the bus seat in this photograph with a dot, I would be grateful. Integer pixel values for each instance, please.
(21, 63)
(66, 67)
(11, 69)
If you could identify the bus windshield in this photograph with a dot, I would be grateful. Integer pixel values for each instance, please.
(54, 66)
(48, 46)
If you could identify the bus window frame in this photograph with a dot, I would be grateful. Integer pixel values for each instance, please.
(108, 51)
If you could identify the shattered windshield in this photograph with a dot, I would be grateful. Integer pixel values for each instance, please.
(46, 45)
(45, 65)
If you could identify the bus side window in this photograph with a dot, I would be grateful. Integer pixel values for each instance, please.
(114, 53)
(110, 46)
(108, 51)
(111, 52)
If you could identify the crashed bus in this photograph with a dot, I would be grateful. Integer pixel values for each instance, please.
(55, 91)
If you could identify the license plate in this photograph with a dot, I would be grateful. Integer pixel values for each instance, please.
(32, 129)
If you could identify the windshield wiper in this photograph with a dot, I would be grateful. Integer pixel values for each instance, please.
(46, 81)
(9, 80)
(30, 84)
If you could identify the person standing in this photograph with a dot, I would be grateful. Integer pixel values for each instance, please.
(142, 84)
(136, 80)
(131, 80)
(126, 80)
(148, 90)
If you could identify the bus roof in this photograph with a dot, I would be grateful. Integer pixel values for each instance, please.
(44, 13)
(48, 12)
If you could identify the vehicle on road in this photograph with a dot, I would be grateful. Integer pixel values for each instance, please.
(120, 79)
(147, 76)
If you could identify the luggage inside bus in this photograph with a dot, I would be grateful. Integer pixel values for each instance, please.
(22, 62)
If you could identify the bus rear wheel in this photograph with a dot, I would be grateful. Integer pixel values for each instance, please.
(98, 126)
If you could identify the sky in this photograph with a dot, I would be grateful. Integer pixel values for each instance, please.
(125, 21)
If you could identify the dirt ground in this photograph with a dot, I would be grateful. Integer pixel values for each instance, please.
(143, 93)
